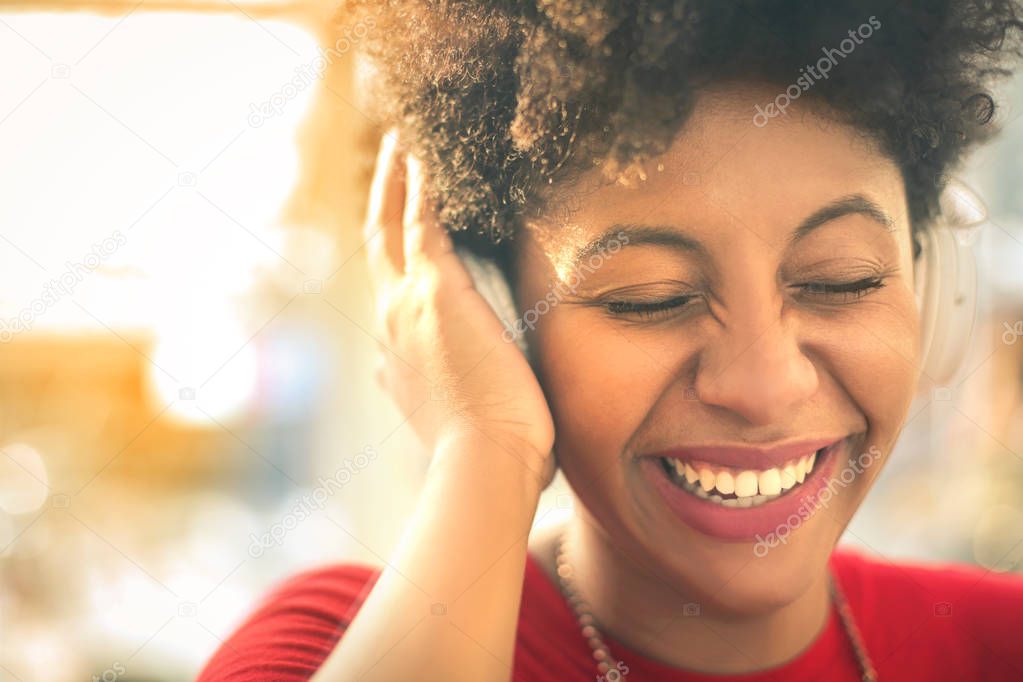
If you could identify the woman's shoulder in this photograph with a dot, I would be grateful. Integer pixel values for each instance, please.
(957, 618)
(339, 580)
(334, 592)
(872, 575)
(295, 626)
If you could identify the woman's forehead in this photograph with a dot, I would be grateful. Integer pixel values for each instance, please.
(723, 175)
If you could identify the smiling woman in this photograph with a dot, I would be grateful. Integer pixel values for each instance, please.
(725, 313)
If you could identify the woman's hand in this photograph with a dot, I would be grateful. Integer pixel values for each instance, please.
(443, 358)
(473, 398)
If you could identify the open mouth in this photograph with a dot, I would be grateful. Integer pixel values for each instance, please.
(734, 487)
(744, 494)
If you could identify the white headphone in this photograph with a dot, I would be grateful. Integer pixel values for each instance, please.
(945, 282)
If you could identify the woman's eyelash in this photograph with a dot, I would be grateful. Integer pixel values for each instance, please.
(647, 309)
(843, 291)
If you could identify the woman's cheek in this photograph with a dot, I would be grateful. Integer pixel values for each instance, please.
(889, 357)
(599, 383)
(873, 355)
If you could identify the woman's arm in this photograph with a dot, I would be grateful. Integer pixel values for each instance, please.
(446, 607)
(449, 601)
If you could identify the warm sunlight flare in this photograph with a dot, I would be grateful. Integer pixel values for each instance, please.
(532, 341)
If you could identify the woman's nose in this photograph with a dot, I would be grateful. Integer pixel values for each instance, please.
(761, 374)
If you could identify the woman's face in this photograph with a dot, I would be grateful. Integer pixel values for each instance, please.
(753, 292)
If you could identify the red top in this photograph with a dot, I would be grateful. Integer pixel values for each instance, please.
(918, 623)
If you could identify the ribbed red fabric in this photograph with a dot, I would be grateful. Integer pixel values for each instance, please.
(919, 623)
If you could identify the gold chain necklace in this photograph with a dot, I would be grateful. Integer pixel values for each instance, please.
(611, 669)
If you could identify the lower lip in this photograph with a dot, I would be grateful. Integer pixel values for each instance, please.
(740, 524)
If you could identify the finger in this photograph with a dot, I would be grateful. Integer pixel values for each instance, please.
(425, 237)
(383, 228)
(380, 368)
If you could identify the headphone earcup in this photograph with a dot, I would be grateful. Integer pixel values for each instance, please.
(946, 288)
(493, 286)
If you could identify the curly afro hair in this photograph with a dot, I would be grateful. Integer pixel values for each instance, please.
(503, 98)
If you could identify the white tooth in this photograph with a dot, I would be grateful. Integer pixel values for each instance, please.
(746, 484)
(788, 477)
(730, 502)
(707, 479)
(769, 482)
(810, 462)
(758, 499)
(716, 499)
(691, 474)
(801, 469)
(744, 502)
(680, 468)
(700, 492)
(725, 483)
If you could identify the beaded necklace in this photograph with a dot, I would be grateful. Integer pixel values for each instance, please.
(611, 670)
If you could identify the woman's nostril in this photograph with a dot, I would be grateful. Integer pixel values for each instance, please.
(757, 387)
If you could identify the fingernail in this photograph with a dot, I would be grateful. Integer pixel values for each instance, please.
(393, 135)
(386, 146)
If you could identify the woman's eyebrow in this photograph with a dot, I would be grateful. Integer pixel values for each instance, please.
(854, 204)
(629, 234)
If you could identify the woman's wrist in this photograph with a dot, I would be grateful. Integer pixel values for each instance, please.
(511, 460)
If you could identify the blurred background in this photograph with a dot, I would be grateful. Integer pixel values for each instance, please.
(187, 408)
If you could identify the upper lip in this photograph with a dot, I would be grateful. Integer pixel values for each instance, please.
(744, 456)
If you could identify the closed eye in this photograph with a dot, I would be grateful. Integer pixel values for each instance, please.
(829, 292)
(648, 309)
(841, 292)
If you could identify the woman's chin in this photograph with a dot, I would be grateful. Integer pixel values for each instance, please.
(729, 580)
